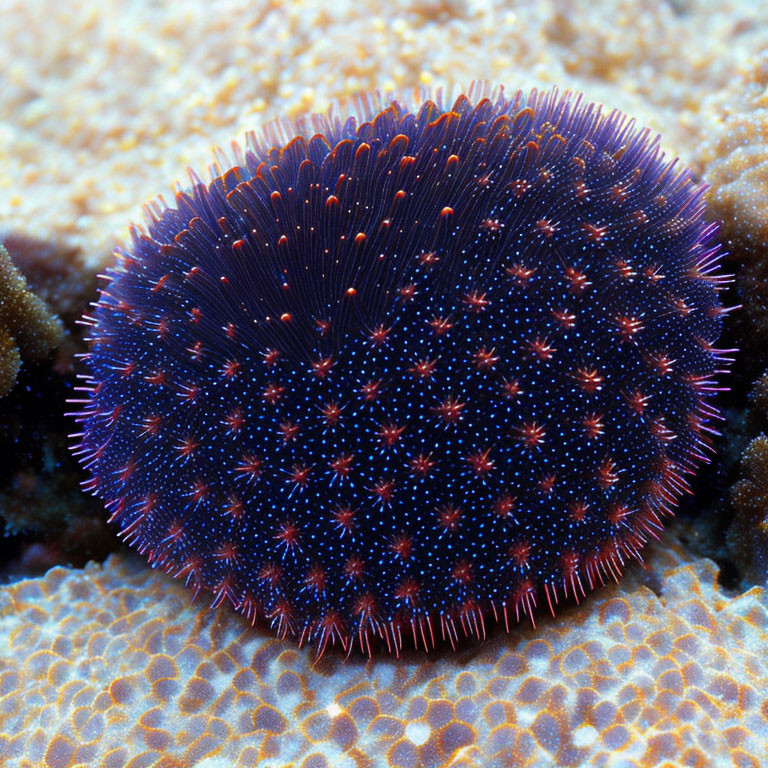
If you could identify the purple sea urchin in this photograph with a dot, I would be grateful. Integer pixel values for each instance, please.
(409, 367)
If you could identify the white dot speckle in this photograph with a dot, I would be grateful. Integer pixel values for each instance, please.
(333, 709)
(585, 736)
(417, 732)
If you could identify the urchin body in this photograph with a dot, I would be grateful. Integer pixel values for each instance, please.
(427, 366)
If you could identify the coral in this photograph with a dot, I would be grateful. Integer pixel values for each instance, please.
(734, 158)
(111, 666)
(747, 537)
(27, 327)
(126, 93)
(758, 401)
(748, 533)
(56, 274)
(41, 503)
(734, 161)
(424, 364)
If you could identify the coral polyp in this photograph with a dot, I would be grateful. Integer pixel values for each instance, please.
(28, 328)
(409, 366)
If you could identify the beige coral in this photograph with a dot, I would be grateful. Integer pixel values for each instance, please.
(123, 95)
(735, 158)
(734, 161)
(27, 327)
(748, 534)
(112, 666)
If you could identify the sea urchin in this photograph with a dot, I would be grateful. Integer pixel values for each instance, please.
(409, 366)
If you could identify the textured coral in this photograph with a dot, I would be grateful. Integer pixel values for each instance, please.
(735, 156)
(734, 159)
(748, 534)
(125, 94)
(111, 667)
(40, 495)
(417, 367)
(27, 327)
(56, 273)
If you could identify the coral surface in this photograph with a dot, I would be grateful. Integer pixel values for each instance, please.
(735, 156)
(748, 533)
(40, 495)
(57, 274)
(747, 537)
(28, 329)
(125, 94)
(735, 162)
(122, 95)
(734, 159)
(112, 667)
